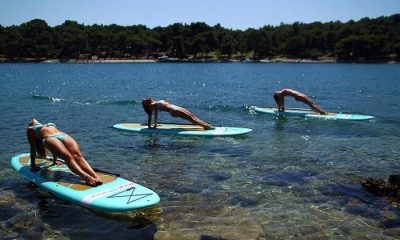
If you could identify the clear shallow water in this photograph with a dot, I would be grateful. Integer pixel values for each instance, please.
(290, 178)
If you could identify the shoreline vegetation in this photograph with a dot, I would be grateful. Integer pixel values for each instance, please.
(364, 41)
(171, 60)
(177, 60)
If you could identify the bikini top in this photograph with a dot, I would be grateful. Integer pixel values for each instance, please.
(38, 126)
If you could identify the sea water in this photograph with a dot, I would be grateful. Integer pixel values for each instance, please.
(290, 178)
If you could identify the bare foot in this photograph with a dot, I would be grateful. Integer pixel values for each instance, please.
(90, 181)
(208, 127)
(57, 162)
(98, 181)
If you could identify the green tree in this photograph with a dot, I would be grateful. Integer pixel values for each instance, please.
(72, 40)
(295, 46)
(12, 47)
(37, 41)
(396, 50)
(259, 42)
(2, 36)
(366, 39)
(228, 43)
(357, 48)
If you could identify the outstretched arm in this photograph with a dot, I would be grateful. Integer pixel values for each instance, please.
(32, 144)
(280, 100)
(155, 117)
(149, 120)
(281, 104)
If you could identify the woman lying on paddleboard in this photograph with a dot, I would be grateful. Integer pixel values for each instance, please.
(279, 97)
(151, 106)
(41, 136)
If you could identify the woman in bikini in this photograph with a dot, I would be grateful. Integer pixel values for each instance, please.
(279, 97)
(151, 106)
(41, 136)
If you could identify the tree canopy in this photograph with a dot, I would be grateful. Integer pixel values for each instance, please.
(364, 40)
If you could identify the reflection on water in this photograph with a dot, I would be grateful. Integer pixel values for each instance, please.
(290, 178)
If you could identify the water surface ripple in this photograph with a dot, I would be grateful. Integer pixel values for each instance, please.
(290, 178)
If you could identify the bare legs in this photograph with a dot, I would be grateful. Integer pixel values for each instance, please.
(310, 103)
(185, 114)
(318, 109)
(70, 152)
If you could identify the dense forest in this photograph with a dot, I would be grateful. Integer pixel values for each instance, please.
(364, 40)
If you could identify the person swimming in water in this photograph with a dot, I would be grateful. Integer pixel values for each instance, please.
(42, 136)
(151, 106)
(279, 97)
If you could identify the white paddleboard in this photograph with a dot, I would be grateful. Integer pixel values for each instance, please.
(308, 113)
(182, 129)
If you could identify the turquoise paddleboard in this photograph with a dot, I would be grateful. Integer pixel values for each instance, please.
(308, 113)
(116, 194)
(182, 129)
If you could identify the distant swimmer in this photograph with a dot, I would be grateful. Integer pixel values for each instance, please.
(42, 136)
(151, 106)
(279, 97)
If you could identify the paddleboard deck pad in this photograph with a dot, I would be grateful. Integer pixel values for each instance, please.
(308, 113)
(116, 194)
(182, 129)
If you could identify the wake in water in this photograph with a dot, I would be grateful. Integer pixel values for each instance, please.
(99, 102)
(116, 102)
(51, 98)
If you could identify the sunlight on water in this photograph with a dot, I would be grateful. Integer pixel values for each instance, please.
(290, 178)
